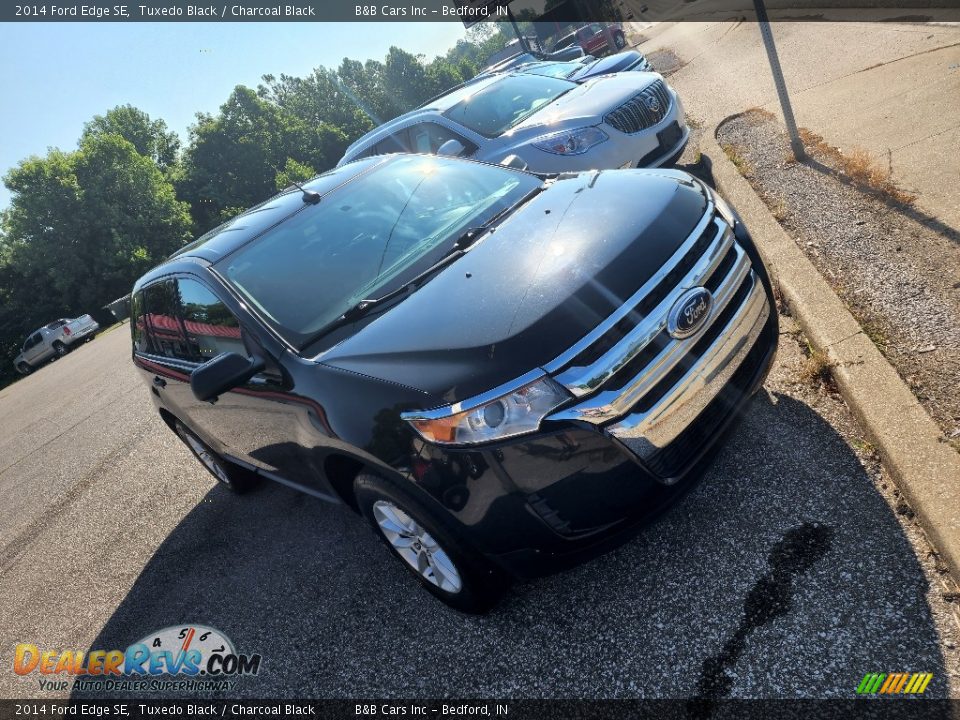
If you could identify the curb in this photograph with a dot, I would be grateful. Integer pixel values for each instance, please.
(925, 469)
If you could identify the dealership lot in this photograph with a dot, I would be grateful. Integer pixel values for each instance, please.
(110, 530)
(792, 570)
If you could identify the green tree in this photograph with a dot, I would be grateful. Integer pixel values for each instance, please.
(293, 172)
(81, 227)
(234, 157)
(150, 137)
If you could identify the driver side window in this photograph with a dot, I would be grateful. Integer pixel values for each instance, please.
(210, 327)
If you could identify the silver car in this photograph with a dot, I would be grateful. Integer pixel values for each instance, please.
(54, 340)
(550, 124)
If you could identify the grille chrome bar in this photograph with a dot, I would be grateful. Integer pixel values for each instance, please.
(590, 338)
(647, 433)
(636, 114)
(582, 381)
(608, 405)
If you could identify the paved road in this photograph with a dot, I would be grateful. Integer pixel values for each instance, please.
(785, 573)
(893, 89)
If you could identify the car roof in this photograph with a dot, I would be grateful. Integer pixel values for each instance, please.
(252, 223)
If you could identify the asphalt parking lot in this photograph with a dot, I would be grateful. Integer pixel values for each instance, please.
(786, 573)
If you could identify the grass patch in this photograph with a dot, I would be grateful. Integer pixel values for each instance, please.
(758, 115)
(737, 155)
(816, 368)
(779, 210)
(860, 168)
(878, 336)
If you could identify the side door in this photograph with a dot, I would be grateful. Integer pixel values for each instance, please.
(595, 40)
(262, 423)
(37, 351)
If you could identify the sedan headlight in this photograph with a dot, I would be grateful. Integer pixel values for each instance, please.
(483, 420)
(570, 142)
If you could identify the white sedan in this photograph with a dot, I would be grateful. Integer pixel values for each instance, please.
(551, 124)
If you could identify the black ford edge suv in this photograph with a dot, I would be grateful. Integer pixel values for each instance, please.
(503, 372)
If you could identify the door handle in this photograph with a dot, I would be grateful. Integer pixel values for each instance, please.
(159, 381)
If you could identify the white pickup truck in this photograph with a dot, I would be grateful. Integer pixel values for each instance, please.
(54, 340)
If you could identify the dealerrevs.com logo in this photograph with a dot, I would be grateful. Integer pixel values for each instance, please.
(180, 657)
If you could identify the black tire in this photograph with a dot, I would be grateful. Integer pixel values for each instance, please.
(620, 41)
(25, 368)
(59, 348)
(481, 584)
(234, 478)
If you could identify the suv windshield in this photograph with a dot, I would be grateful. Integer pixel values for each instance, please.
(555, 70)
(366, 238)
(501, 105)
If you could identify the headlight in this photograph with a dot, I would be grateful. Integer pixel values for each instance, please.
(724, 209)
(570, 142)
(513, 413)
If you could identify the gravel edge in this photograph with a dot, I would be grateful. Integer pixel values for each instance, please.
(909, 442)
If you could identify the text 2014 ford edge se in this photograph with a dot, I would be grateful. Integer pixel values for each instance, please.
(503, 372)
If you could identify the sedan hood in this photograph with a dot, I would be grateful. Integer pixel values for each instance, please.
(531, 288)
(610, 64)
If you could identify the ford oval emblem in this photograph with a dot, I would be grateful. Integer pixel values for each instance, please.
(689, 313)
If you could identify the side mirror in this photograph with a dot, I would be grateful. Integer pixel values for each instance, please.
(514, 162)
(451, 148)
(224, 372)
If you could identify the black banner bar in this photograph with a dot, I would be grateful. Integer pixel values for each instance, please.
(697, 709)
(470, 11)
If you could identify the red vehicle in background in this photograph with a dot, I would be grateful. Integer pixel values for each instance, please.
(596, 39)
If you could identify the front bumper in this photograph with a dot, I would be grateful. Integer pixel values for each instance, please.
(606, 466)
(620, 150)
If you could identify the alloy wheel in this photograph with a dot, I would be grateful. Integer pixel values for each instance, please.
(417, 547)
(208, 459)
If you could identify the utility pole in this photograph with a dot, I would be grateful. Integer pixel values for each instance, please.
(764, 22)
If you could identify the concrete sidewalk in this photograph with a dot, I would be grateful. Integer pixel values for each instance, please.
(891, 89)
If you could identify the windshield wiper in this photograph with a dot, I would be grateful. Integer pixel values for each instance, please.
(458, 250)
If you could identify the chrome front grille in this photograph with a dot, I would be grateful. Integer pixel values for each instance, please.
(644, 386)
(642, 111)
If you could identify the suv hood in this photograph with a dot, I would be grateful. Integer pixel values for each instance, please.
(609, 64)
(531, 288)
(584, 105)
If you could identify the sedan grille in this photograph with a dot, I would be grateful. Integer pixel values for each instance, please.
(642, 111)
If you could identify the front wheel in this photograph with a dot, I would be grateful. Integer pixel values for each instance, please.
(429, 546)
(24, 368)
(620, 41)
(236, 479)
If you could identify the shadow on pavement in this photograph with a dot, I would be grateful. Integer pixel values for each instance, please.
(911, 211)
(783, 574)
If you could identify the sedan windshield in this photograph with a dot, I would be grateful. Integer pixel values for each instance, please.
(499, 106)
(366, 238)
